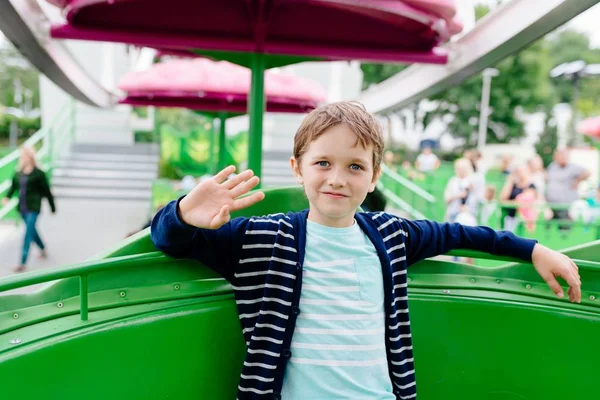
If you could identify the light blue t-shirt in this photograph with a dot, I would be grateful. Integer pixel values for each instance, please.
(338, 346)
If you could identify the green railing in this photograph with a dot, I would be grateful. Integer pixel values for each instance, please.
(554, 233)
(406, 195)
(80, 304)
(48, 142)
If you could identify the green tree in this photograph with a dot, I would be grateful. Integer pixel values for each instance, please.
(567, 46)
(14, 67)
(374, 73)
(548, 140)
(522, 85)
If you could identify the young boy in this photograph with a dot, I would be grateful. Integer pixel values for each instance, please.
(322, 294)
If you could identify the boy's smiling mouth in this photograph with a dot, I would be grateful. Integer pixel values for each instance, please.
(335, 195)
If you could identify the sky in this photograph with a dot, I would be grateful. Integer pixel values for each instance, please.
(586, 22)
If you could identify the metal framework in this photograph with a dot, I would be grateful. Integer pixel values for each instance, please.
(501, 33)
(27, 27)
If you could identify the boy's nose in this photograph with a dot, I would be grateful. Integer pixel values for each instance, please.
(336, 178)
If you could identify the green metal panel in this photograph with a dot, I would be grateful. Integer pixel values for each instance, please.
(161, 328)
(478, 334)
(187, 349)
(505, 349)
(587, 251)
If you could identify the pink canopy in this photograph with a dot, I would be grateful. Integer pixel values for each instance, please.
(202, 84)
(372, 30)
(590, 127)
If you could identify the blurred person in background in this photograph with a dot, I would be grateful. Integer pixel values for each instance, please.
(426, 161)
(506, 164)
(516, 183)
(563, 179)
(489, 207)
(459, 191)
(538, 174)
(31, 185)
(478, 178)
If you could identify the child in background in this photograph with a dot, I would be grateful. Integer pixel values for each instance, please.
(528, 208)
(594, 203)
(458, 191)
(489, 207)
(322, 293)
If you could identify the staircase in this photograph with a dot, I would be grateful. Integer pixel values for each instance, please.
(106, 172)
(98, 125)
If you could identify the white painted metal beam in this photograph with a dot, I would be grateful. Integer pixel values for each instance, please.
(501, 33)
(24, 23)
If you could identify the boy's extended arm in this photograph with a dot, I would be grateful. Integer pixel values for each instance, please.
(215, 248)
(429, 239)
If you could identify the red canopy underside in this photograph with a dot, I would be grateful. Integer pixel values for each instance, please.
(376, 30)
(213, 102)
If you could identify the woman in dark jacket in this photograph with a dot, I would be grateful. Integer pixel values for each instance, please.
(31, 184)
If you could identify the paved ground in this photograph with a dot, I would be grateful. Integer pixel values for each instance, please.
(79, 230)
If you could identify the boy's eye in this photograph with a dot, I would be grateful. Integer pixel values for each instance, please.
(322, 163)
(355, 167)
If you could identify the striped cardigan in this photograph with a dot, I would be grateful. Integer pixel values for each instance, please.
(262, 259)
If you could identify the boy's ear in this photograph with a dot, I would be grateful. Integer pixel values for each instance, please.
(376, 176)
(296, 168)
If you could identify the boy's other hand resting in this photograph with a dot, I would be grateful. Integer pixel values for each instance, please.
(209, 204)
(551, 264)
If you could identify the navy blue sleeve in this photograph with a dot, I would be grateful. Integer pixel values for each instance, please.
(429, 239)
(216, 248)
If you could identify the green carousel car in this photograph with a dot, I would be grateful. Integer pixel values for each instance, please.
(133, 323)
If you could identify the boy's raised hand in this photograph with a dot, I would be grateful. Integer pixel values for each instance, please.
(208, 205)
(551, 264)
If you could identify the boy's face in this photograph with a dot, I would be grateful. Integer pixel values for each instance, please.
(337, 173)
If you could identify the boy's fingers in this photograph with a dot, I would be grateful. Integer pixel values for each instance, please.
(224, 173)
(574, 284)
(244, 187)
(575, 272)
(554, 286)
(248, 200)
(239, 178)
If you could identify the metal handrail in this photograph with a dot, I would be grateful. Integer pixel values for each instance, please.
(82, 271)
(85, 269)
(428, 197)
(398, 202)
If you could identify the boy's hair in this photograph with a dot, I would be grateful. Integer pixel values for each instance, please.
(364, 125)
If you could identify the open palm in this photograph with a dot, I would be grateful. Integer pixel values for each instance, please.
(210, 203)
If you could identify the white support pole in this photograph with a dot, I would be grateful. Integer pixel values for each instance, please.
(484, 111)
